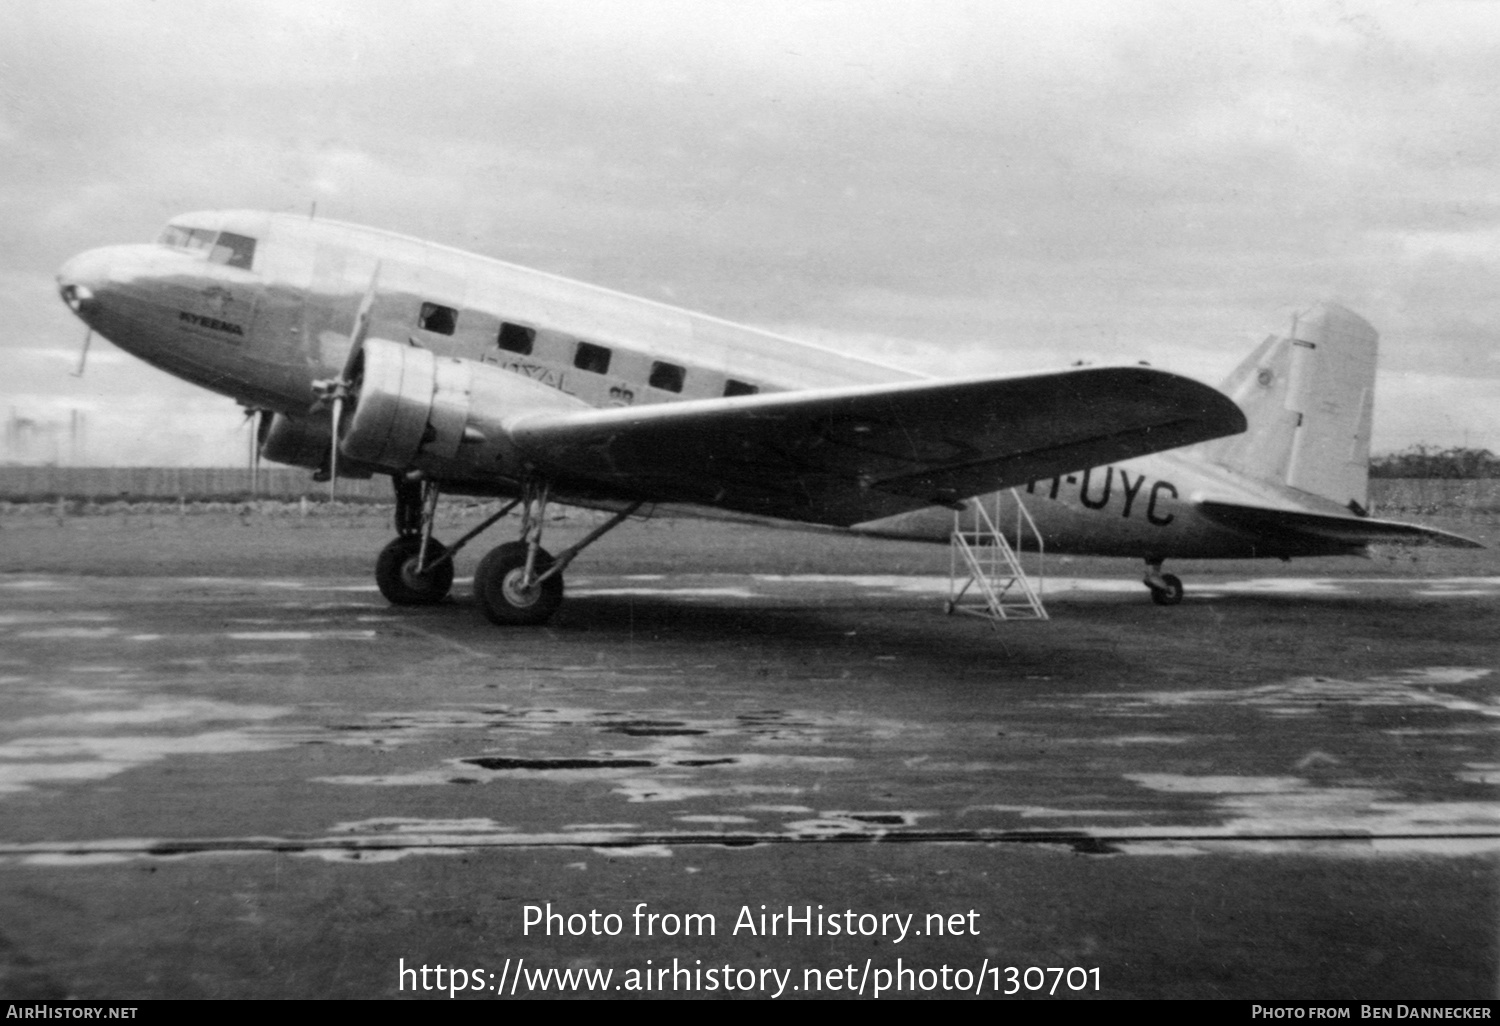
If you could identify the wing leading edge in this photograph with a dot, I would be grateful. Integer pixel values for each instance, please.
(848, 455)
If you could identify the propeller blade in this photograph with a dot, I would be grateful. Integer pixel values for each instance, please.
(256, 441)
(256, 421)
(333, 451)
(336, 390)
(361, 325)
(83, 355)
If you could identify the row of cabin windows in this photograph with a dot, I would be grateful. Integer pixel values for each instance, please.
(669, 377)
(518, 339)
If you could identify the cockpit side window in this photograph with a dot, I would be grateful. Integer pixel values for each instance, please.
(188, 238)
(221, 247)
(234, 250)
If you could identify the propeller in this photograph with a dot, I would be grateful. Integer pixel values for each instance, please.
(334, 391)
(83, 354)
(260, 426)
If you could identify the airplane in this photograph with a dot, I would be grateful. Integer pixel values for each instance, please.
(369, 352)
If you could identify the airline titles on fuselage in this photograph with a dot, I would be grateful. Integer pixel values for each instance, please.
(212, 323)
(550, 376)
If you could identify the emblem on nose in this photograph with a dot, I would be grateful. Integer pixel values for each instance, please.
(218, 298)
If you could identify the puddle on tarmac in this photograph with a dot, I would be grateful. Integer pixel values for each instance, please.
(749, 795)
(71, 746)
(615, 769)
(18, 617)
(497, 763)
(1277, 814)
(354, 635)
(1305, 696)
(45, 760)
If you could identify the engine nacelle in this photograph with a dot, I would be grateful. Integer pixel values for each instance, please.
(413, 409)
(297, 443)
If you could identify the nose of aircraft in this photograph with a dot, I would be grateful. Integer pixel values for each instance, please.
(80, 280)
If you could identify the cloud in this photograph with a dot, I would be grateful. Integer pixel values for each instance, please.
(1089, 178)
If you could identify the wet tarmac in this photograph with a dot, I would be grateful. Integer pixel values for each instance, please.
(280, 786)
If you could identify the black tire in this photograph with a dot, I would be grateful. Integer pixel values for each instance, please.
(394, 573)
(1171, 594)
(499, 597)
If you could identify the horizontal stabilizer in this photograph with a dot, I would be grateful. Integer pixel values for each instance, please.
(1297, 528)
(843, 456)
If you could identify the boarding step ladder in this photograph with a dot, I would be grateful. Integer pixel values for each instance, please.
(986, 577)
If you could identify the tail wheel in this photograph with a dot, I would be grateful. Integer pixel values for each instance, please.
(1171, 594)
(500, 589)
(400, 581)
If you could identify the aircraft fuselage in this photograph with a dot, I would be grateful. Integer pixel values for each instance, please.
(258, 307)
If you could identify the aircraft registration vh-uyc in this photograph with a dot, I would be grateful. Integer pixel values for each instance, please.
(370, 352)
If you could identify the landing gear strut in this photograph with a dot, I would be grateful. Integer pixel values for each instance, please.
(511, 593)
(402, 580)
(517, 583)
(415, 569)
(520, 583)
(1166, 589)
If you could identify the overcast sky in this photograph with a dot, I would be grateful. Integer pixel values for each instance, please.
(961, 186)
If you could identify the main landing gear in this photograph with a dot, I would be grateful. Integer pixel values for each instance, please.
(1166, 589)
(415, 569)
(518, 583)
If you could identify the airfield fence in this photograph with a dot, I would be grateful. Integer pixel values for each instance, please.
(1389, 496)
(190, 484)
(1434, 495)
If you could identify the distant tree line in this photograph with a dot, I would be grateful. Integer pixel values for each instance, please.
(1430, 461)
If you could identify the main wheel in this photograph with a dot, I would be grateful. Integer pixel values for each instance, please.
(1171, 594)
(401, 584)
(502, 597)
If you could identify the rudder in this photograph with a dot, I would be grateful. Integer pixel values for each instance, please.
(1309, 400)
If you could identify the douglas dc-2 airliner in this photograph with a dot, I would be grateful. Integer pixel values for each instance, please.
(369, 352)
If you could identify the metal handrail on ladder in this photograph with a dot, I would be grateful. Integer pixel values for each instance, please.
(992, 567)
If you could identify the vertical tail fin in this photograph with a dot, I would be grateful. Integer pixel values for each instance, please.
(1309, 399)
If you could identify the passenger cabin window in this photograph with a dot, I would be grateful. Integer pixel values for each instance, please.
(516, 339)
(733, 387)
(226, 248)
(591, 358)
(667, 376)
(438, 319)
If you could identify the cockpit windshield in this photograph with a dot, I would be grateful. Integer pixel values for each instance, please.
(221, 247)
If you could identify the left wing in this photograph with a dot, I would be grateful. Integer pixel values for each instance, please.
(1296, 526)
(847, 455)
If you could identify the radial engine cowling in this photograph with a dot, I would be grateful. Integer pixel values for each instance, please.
(413, 409)
(296, 442)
